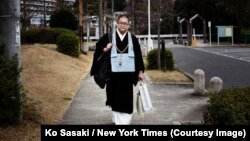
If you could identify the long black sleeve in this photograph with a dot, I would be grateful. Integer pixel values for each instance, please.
(98, 53)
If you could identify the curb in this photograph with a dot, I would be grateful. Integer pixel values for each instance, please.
(190, 122)
(187, 123)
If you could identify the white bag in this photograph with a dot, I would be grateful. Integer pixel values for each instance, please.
(139, 106)
(145, 97)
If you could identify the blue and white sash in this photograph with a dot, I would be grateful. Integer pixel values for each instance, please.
(122, 62)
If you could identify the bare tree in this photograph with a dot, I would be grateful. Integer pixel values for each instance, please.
(26, 14)
(138, 11)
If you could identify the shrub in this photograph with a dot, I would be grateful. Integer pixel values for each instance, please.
(229, 107)
(152, 59)
(43, 35)
(46, 36)
(68, 44)
(59, 31)
(11, 90)
(31, 36)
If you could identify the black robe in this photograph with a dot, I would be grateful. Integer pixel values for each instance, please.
(119, 88)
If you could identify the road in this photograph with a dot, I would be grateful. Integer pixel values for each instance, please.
(231, 64)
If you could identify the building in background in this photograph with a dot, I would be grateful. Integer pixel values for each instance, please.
(34, 12)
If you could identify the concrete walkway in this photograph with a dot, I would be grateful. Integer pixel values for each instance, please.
(172, 105)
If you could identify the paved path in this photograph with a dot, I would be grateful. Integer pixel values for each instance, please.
(172, 104)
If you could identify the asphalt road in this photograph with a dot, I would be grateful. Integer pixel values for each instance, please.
(231, 64)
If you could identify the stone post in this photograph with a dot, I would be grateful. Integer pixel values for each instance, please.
(199, 82)
(216, 85)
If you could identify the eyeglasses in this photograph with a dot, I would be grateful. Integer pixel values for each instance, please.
(123, 23)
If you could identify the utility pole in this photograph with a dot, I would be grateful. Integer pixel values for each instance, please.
(10, 33)
(113, 14)
(159, 32)
(150, 44)
(10, 28)
(100, 18)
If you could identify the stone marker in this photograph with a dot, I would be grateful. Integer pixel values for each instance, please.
(199, 82)
(216, 85)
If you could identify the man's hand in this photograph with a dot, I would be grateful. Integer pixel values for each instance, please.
(141, 76)
(108, 47)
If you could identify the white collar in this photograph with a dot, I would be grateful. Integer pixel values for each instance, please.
(120, 35)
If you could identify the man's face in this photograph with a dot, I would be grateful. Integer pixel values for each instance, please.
(123, 25)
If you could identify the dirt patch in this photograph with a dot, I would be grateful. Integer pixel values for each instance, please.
(51, 78)
(167, 76)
